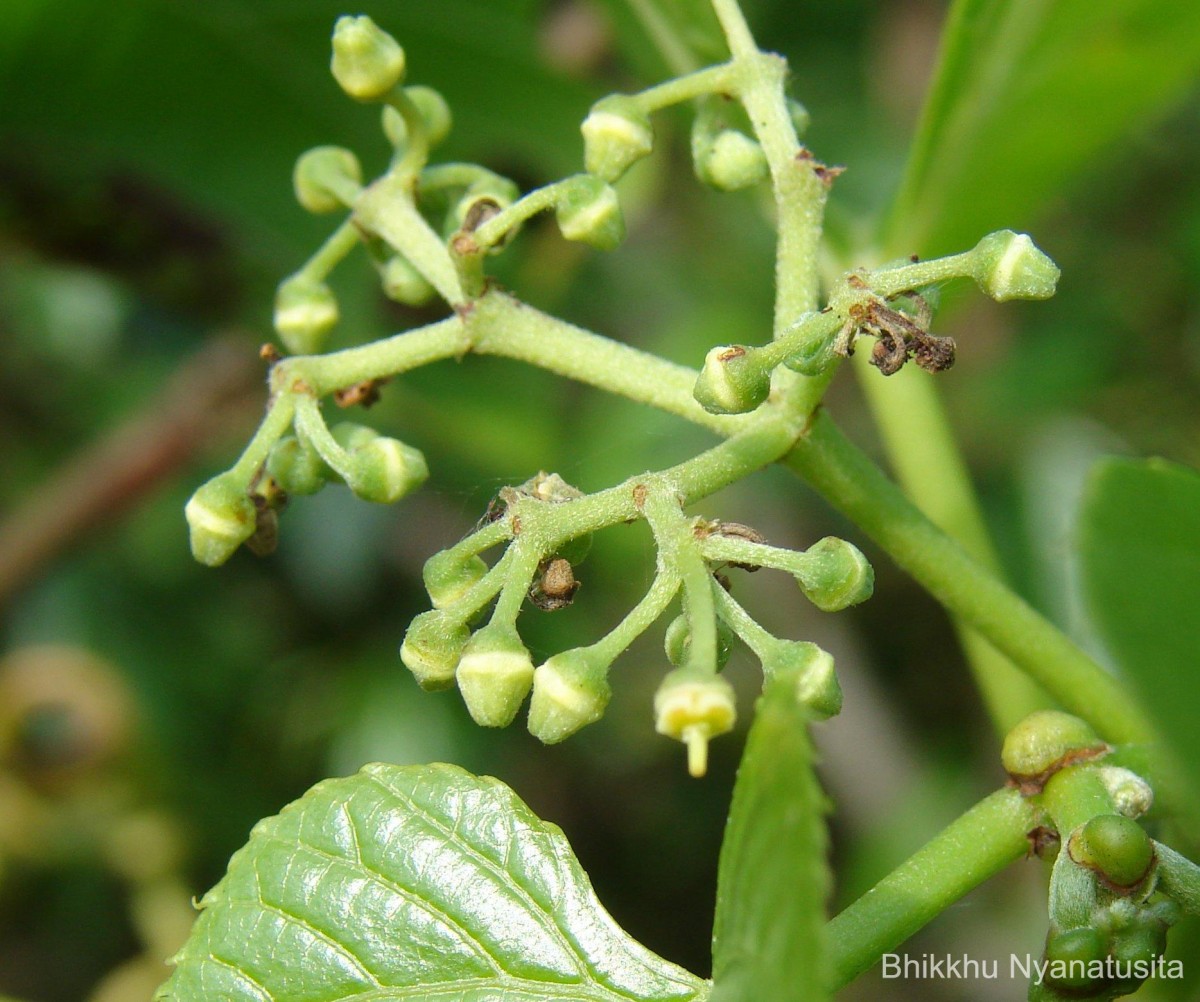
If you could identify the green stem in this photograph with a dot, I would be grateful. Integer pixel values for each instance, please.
(482, 591)
(743, 624)
(416, 145)
(275, 424)
(640, 618)
(1179, 878)
(538, 200)
(336, 246)
(521, 569)
(311, 426)
(853, 484)
(677, 55)
(971, 849)
(712, 80)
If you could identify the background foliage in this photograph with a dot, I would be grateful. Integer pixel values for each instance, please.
(145, 215)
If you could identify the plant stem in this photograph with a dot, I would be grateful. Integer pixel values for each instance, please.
(853, 484)
(336, 246)
(711, 80)
(1178, 877)
(972, 848)
(677, 55)
(640, 618)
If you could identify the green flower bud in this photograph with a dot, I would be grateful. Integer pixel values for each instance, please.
(1009, 266)
(384, 470)
(1116, 847)
(694, 706)
(1070, 953)
(1132, 796)
(732, 381)
(485, 197)
(402, 283)
(448, 576)
(729, 160)
(432, 647)
(678, 642)
(836, 575)
(297, 467)
(326, 179)
(817, 685)
(367, 61)
(616, 134)
(1043, 743)
(1141, 944)
(305, 312)
(351, 436)
(494, 675)
(220, 516)
(591, 213)
(435, 113)
(570, 691)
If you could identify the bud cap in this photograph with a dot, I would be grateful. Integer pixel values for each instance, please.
(385, 470)
(1009, 266)
(432, 647)
(731, 381)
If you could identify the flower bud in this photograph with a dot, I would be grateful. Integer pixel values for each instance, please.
(1132, 796)
(836, 575)
(434, 111)
(220, 516)
(591, 213)
(351, 436)
(1141, 944)
(694, 706)
(494, 675)
(732, 381)
(483, 199)
(1009, 266)
(678, 642)
(297, 467)
(616, 134)
(729, 160)
(367, 61)
(402, 283)
(326, 179)
(570, 691)
(448, 576)
(1114, 846)
(432, 647)
(384, 470)
(1070, 954)
(1043, 743)
(305, 312)
(817, 685)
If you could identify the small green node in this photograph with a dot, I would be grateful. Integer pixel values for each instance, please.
(616, 134)
(220, 516)
(1045, 741)
(732, 380)
(1009, 265)
(1116, 847)
(385, 470)
(590, 213)
(694, 706)
(836, 575)
(305, 312)
(297, 467)
(367, 62)
(326, 178)
(448, 576)
(570, 691)
(1074, 956)
(432, 647)
(494, 675)
(729, 160)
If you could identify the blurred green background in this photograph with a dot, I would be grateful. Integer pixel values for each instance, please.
(152, 710)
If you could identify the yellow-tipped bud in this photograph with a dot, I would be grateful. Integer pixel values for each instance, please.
(591, 214)
(448, 576)
(694, 706)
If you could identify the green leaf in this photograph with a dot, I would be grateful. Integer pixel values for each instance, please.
(1026, 95)
(773, 879)
(1139, 542)
(412, 882)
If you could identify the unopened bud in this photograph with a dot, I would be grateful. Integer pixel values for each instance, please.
(694, 706)
(367, 61)
(484, 198)
(836, 575)
(384, 470)
(297, 467)
(570, 691)
(220, 516)
(591, 214)
(352, 436)
(326, 179)
(494, 675)
(305, 312)
(434, 111)
(1073, 957)
(732, 381)
(448, 576)
(1009, 266)
(1114, 846)
(817, 685)
(1044, 742)
(616, 134)
(729, 160)
(432, 647)
(1131, 795)
(402, 283)
(678, 642)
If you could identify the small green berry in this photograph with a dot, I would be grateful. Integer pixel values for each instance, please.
(1009, 266)
(297, 467)
(402, 283)
(220, 516)
(1045, 741)
(570, 691)
(591, 213)
(616, 134)
(494, 675)
(694, 706)
(305, 312)
(448, 576)
(385, 470)
(352, 436)
(732, 381)
(1114, 846)
(836, 575)
(432, 647)
(326, 179)
(367, 61)
(1070, 954)
(729, 160)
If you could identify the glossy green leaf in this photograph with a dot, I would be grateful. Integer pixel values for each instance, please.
(406, 883)
(1139, 540)
(773, 879)
(1027, 94)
